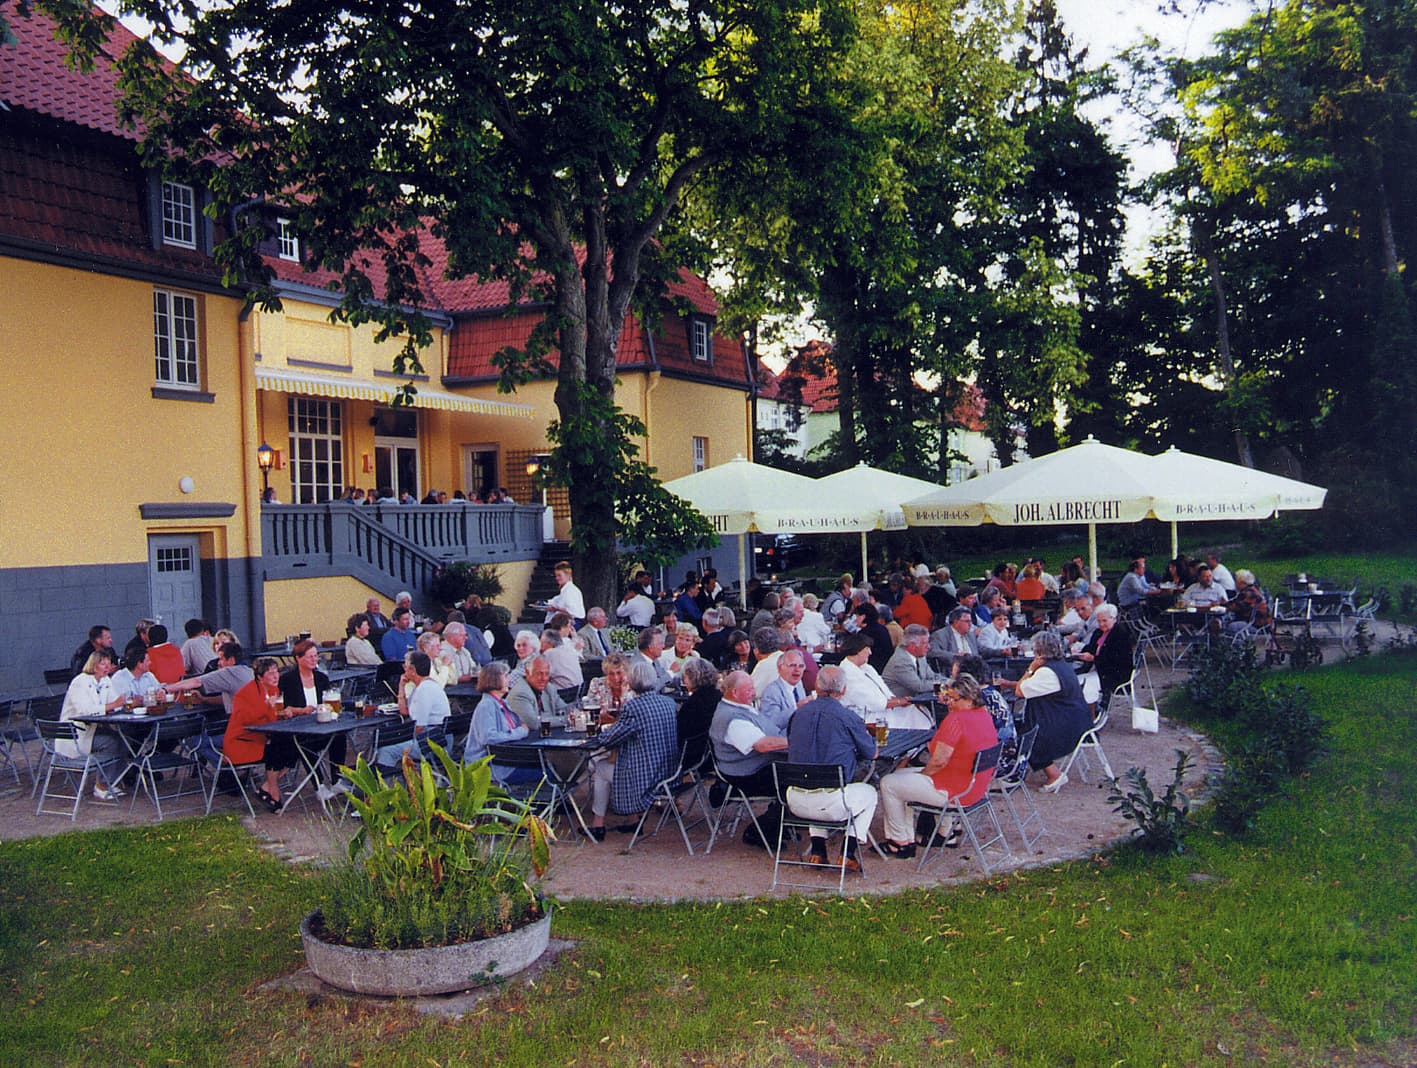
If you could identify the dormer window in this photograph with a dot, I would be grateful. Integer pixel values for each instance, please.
(701, 340)
(179, 215)
(288, 245)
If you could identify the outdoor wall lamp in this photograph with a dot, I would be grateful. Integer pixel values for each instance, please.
(265, 458)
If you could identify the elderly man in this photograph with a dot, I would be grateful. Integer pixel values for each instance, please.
(466, 650)
(533, 698)
(767, 648)
(824, 731)
(637, 751)
(650, 647)
(908, 672)
(400, 640)
(1077, 614)
(784, 621)
(956, 636)
(1205, 591)
(715, 642)
(379, 624)
(786, 692)
(635, 608)
(595, 643)
(423, 701)
(566, 674)
(744, 743)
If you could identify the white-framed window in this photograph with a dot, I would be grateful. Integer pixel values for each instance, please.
(179, 215)
(700, 340)
(288, 245)
(316, 450)
(701, 453)
(176, 351)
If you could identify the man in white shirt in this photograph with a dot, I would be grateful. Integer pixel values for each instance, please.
(595, 643)
(136, 679)
(425, 704)
(636, 609)
(767, 647)
(813, 631)
(569, 599)
(743, 751)
(785, 693)
(459, 652)
(565, 663)
(1220, 573)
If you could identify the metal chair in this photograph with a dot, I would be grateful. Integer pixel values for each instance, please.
(985, 761)
(685, 779)
(740, 801)
(393, 734)
(544, 794)
(1011, 786)
(15, 737)
(1090, 741)
(213, 732)
(53, 731)
(157, 756)
(812, 777)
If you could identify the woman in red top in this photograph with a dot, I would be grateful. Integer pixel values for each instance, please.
(255, 703)
(967, 730)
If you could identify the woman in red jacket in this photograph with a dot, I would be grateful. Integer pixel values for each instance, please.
(259, 701)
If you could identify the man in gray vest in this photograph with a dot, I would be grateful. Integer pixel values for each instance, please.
(744, 741)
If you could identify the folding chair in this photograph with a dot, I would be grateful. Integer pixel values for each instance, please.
(211, 747)
(741, 802)
(151, 760)
(53, 731)
(1010, 785)
(685, 779)
(985, 761)
(544, 795)
(1090, 740)
(15, 737)
(393, 734)
(786, 775)
(455, 728)
(47, 707)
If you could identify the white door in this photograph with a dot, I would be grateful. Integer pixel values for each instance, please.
(481, 469)
(174, 579)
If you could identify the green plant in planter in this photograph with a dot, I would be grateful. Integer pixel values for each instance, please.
(453, 583)
(435, 863)
(623, 639)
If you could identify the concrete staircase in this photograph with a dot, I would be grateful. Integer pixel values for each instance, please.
(543, 580)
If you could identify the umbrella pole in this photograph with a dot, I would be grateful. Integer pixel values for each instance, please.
(1175, 541)
(1092, 549)
(864, 576)
(742, 571)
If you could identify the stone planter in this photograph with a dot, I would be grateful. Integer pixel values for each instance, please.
(416, 972)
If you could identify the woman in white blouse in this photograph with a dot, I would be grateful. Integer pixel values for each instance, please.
(91, 693)
(867, 693)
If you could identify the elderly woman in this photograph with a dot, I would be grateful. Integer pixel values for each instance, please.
(1110, 652)
(1056, 706)
(999, 707)
(357, 647)
(813, 630)
(527, 646)
(253, 704)
(640, 750)
(442, 671)
(612, 689)
(686, 636)
(696, 714)
(1251, 607)
(493, 722)
(967, 729)
(91, 693)
(995, 639)
(866, 692)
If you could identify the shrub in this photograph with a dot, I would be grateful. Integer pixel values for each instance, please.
(1162, 822)
(434, 863)
(455, 582)
(623, 639)
(1220, 674)
(1255, 772)
(1293, 728)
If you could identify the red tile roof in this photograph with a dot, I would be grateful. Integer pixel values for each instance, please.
(34, 77)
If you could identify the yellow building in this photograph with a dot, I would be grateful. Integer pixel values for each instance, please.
(139, 391)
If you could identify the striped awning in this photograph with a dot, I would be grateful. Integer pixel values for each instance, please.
(348, 387)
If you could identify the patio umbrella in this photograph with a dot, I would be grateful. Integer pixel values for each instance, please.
(1190, 488)
(878, 494)
(740, 497)
(1088, 483)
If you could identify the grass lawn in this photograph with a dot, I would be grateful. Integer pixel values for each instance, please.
(1297, 946)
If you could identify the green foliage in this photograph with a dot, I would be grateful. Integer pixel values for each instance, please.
(1162, 822)
(1254, 772)
(599, 446)
(455, 582)
(623, 639)
(435, 862)
(1297, 732)
(1221, 678)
